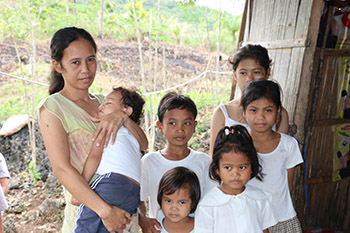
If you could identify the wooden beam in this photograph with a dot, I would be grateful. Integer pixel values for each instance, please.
(281, 44)
(330, 122)
(318, 180)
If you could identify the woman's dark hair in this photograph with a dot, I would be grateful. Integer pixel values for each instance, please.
(59, 42)
(172, 100)
(256, 52)
(131, 98)
(261, 88)
(235, 138)
(177, 178)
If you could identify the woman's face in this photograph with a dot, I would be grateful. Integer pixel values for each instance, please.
(248, 70)
(78, 65)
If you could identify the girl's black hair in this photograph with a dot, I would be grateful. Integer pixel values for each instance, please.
(256, 52)
(261, 88)
(234, 138)
(131, 98)
(59, 42)
(172, 100)
(176, 178)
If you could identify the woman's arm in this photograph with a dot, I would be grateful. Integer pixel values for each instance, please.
(57, 147)
(283, 122)
(217, 122)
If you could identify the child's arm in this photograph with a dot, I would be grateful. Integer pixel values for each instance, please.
(291, 179)
(217, 122)
(137, 132)
(92, 162)
(147, 224)
(283, 122)
(266, 231)
(4, 181)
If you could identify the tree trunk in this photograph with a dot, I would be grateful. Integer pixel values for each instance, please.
(141, 65)
(101, 20)
(218, 57)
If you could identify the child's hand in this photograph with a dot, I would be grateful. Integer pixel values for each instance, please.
(148, 225)
(75, 201)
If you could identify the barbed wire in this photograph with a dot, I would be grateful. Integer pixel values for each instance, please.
(145, 94)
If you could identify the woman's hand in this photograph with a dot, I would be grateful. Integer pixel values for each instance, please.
(115, 219)
(108, 124)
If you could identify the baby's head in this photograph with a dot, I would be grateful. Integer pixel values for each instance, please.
(254, 52)
(179, 186)
(172, 100)
(231, 142)
(122, 99)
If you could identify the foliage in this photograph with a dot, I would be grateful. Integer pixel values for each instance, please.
(180, 22)
(34, 174)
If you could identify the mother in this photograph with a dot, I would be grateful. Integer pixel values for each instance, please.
(66, 125)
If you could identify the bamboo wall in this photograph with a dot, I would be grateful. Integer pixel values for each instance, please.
(328, 201)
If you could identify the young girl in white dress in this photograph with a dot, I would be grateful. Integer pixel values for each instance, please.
(178, 195)
(278, 153)
(232, 206)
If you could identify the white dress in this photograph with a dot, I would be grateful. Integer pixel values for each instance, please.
(248, 212)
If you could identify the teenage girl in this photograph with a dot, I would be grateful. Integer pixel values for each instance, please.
(232, 206)
(250, 62)
(278, 153)
(178, 195)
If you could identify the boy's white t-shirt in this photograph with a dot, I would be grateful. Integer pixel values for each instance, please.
(274, 167)
(154, 165)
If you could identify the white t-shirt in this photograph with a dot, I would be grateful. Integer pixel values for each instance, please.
(274, 167)
(250, 211)
(122, 157)
(4, 172)
(154, 165)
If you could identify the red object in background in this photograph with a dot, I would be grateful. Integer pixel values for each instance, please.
(346, 19)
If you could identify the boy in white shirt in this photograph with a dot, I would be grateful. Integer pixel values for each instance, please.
(177, 121)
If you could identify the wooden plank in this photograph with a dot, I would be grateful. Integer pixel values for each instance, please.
(291, 16)
(330, 122)
(243, 22)
(281, 44)
(303, 19)
(336, 52)
(293, 80)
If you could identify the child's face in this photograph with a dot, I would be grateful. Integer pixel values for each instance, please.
(177, 206)
(235, 171)
(112, 103)
(178, 126)
(261, 115)
(248, 70)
